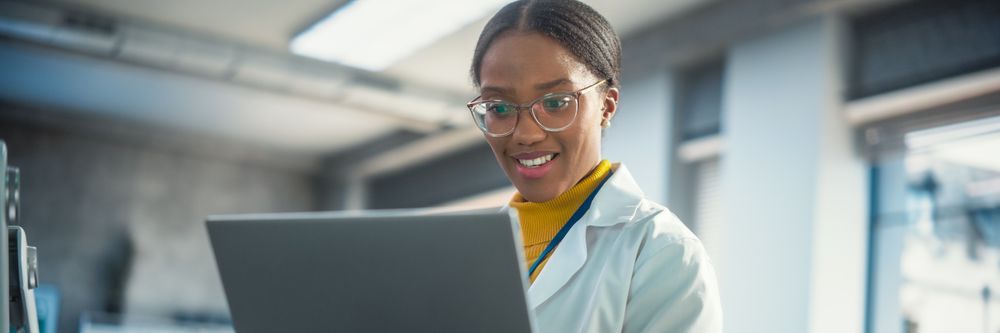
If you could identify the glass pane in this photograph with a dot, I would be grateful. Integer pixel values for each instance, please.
(936, 245)
(701, 100)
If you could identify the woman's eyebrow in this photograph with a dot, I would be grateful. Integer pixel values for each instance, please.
(540, 86)
(552, 84)
(496, 90)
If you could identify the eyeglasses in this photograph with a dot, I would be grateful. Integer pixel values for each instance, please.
(553, 112)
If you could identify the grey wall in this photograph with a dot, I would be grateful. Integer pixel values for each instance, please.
(470, 171)
(117, 215)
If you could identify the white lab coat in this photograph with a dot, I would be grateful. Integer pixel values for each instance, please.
(629, 265)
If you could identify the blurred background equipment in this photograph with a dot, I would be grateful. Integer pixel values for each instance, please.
(21, 260)
(4, 251)
(23, 282)
(836, 157)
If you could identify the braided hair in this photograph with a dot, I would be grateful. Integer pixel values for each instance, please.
(577, 27)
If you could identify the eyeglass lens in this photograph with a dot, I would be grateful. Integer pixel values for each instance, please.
(553, 113)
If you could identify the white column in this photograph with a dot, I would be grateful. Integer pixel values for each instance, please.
(795, 191)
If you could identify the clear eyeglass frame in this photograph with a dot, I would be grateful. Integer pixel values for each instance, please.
(479, 108)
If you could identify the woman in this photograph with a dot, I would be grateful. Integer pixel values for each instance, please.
(601, 257)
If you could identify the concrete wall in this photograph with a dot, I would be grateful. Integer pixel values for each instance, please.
(118, 217)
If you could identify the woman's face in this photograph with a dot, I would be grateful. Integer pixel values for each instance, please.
(520, 67)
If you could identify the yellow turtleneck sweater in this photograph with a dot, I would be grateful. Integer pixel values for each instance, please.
(541, 221)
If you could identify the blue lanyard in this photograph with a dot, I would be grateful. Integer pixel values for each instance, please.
(565, 228)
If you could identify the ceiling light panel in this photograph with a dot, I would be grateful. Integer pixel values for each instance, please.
(374, 34)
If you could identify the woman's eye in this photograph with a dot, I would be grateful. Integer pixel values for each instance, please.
(554, 104)
(500, 109)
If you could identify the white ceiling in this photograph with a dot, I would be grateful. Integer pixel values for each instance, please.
(286, 122)
(263, 23)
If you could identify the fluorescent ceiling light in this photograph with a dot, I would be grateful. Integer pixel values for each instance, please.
(374, 34)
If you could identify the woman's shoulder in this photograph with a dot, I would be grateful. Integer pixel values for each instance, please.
(660, 224)
(673, 282)
(663, 231)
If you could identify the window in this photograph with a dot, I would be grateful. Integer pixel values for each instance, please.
(935, 255)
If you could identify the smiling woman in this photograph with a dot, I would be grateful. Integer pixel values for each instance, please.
(601, 257)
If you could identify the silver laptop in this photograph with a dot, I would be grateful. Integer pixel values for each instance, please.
(389, 271)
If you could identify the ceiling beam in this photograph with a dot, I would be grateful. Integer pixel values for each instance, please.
(147, 45)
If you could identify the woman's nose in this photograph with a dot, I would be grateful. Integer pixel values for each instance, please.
(527, 131)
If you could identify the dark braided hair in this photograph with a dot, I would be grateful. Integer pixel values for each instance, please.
(576, 26)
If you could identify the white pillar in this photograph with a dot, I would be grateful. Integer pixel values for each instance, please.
(795, 190)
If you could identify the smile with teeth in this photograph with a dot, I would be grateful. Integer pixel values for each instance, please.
(534, 163)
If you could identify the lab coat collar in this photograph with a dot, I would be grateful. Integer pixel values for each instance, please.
(615, 203)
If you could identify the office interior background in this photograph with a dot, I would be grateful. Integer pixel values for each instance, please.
(840, 159)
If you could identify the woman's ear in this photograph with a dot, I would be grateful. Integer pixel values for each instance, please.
(610, 104)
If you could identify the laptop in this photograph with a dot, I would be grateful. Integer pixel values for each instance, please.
(375, 271)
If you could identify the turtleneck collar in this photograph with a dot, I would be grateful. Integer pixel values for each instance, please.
(541, 220)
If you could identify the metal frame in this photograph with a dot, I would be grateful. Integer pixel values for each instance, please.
(530, 106)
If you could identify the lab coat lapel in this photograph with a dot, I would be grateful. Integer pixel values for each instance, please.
(615, 203)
